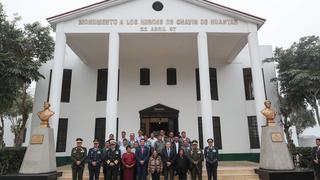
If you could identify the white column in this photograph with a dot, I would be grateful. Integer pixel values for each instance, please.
(56, 78)
(256, 69)
(206, 105)
(112, 92)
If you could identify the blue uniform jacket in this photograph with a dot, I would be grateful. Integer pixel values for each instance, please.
(94, 154)
(211, 155)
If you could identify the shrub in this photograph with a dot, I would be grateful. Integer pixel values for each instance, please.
(11, 159)
(305, 156)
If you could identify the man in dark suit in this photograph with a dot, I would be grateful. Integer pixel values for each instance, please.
(211, 156)
(316, 159)
(176, 145)
(142, 158)
(168, 156)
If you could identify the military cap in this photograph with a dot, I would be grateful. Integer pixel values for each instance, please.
(79, 140)
(113, 142)
(95, 141)
(210, 139)
(194, 142)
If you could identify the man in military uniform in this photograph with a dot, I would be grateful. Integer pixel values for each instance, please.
(78, 157)
(94, 158)
(196, 158)
(211, 156)
(316, 159)
(112, 158)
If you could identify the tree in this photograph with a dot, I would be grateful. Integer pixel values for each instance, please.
(22, 52)
(299, 83)
(22, 105)
(299, 71)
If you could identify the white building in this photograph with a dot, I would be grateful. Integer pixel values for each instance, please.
(156, 57)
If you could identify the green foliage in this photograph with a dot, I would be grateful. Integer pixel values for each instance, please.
(305, 156)
(11, 159)
(299, 82)
(22, 53)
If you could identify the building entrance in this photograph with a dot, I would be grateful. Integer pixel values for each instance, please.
(159, 117)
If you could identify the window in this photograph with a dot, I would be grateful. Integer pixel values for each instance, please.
(102, 85)
(213, 84)
(171, 76)
(62, 135)
(253, 132)
(200, 131)
(216, 131)
(248, 84)
(100, 130)
(66, 85)
(49, 87)
(144, 76)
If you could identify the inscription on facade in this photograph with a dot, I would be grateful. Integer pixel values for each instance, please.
(158, 25)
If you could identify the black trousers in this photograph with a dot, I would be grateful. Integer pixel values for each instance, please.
(155, 176)
(212, 171)
(168, 173)
(77, 172)
(94, 172)
(112, 173)
(317, 171)
(182, 176)
(196, 172)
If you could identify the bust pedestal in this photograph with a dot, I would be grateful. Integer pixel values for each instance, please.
(274, 153)
(40, 156)
(275, 159)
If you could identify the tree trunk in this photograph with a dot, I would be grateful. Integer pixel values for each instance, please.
(2, 144)
(20, 134)
(316, 109)
(286, 127)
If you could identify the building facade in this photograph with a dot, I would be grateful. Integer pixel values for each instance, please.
(177, 65)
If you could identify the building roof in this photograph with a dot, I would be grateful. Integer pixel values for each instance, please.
(53, 20)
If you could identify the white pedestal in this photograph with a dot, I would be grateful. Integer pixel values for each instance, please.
(274, 153)
(40, 156)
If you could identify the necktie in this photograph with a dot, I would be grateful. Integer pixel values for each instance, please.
(168, 152)
(142, 150)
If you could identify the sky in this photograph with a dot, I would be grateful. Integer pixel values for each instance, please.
(287, 20)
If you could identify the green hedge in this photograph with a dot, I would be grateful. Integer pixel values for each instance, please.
(305, 156)
(11, 159)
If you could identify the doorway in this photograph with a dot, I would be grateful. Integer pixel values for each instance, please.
(155, 125)
(159, 117)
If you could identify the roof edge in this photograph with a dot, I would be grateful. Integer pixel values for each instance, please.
(56, 19)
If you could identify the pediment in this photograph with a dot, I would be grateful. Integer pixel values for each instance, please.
(183, 11)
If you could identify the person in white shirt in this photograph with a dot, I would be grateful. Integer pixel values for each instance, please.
(152, 140)
(123, 136)
(140, 136)
(176, 144)
(132, 140)
(123, 147)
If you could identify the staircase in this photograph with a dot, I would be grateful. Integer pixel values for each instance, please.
(227, 170)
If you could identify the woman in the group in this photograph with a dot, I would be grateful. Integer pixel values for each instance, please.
(182, 165)
(155, 165)
(128, 162)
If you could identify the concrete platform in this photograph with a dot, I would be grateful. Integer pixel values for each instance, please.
(227, 170)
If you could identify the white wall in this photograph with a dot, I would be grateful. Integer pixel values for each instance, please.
(232, 108)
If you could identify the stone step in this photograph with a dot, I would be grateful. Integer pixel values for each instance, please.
(238, 170)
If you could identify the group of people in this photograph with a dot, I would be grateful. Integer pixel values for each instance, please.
(135, 158)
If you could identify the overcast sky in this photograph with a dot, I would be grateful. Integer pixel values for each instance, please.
(287, 20)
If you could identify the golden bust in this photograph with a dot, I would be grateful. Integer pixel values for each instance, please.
(45, 115)
(269, 113)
